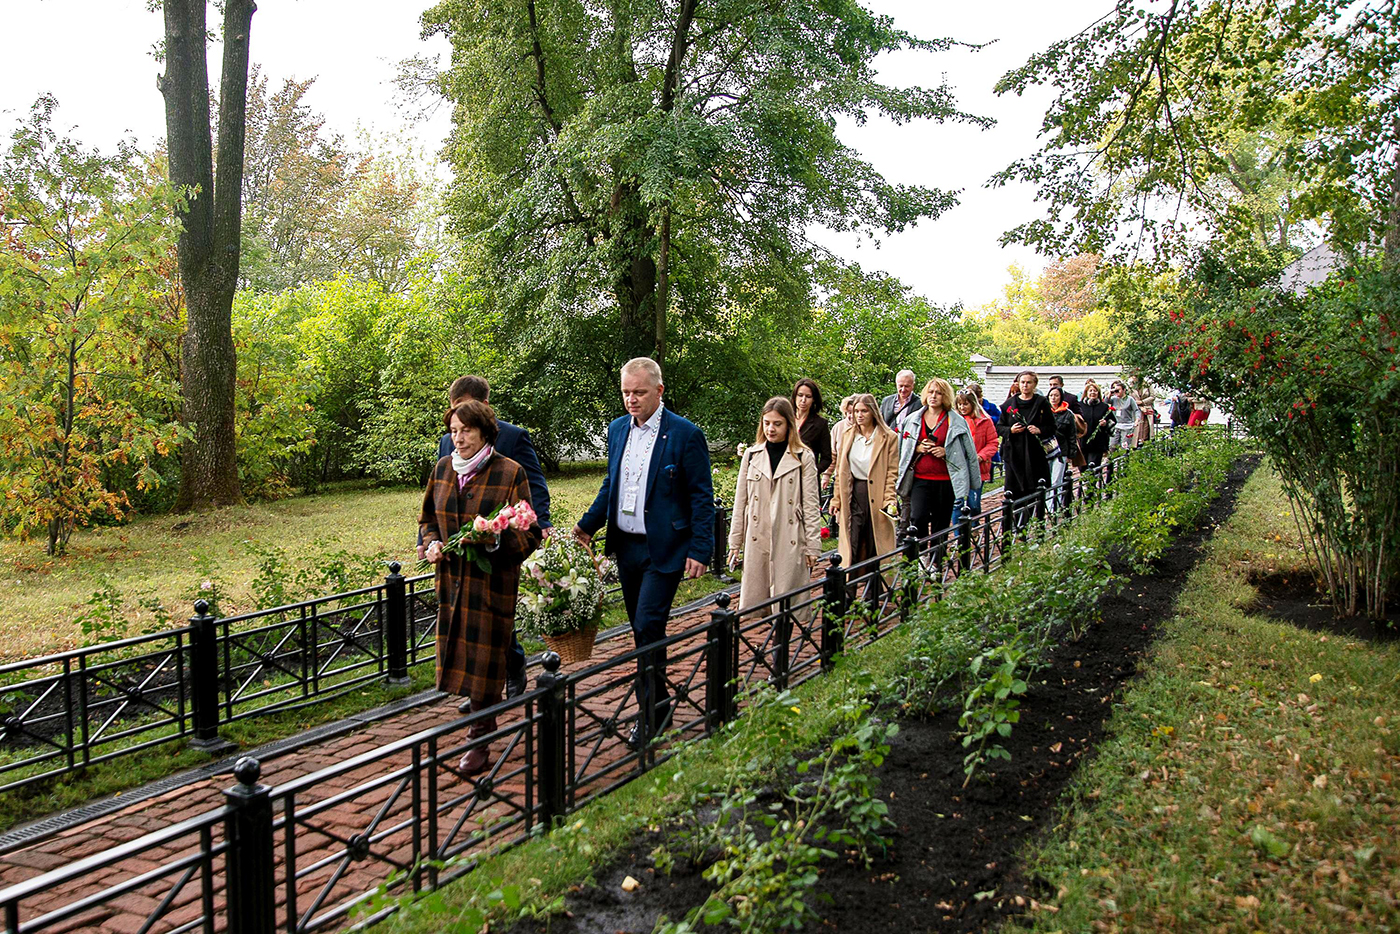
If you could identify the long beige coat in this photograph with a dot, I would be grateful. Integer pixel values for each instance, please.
(1146, 402)
(884, 465)
(777, 523)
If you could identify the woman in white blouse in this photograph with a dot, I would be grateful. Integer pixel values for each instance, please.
(863, 498)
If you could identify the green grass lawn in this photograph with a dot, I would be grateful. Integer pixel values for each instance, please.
(167, 557)
(1249, 781)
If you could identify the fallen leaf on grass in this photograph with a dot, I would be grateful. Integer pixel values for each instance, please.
(1246, 902)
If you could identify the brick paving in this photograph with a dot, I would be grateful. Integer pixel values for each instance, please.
(352, 829)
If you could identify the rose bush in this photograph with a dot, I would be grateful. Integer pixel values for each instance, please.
(1314, 380)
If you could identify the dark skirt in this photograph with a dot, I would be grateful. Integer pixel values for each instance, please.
(862, 523)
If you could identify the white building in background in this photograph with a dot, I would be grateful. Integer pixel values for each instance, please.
(1310, 269)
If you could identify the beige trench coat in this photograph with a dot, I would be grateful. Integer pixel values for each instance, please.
(884, 465)
(777, 523)
(1146, 403)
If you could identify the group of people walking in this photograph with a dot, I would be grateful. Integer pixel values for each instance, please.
(909, 460)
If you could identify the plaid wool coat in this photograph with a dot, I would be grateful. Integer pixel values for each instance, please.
(476, 611)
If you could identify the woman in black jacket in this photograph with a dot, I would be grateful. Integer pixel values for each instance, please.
(811, 426)
(1067, 434)
(1098, 415)
(1025, 424)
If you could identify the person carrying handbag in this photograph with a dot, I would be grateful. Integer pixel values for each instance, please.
(1067, 428)
(1026, 423)
(776, 524)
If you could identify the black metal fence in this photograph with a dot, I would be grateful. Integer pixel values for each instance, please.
(60, 713)
(313, 853)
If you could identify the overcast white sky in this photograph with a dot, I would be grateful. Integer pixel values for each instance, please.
(94, 56)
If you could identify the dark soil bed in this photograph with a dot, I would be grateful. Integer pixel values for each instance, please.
(1294, 598)
(951, 865)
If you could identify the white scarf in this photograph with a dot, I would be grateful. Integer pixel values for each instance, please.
(467, 468)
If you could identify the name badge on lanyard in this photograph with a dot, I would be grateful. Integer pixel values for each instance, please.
(635, 460)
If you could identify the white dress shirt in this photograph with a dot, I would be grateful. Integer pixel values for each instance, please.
(632, 475)
(860, 455)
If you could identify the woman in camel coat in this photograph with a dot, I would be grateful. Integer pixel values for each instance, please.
(777, 512)
(866, 466)
(1147, 403)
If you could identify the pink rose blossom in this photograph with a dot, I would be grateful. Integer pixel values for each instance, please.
(523, 515)
(508, 512)
(481, 524)
(500, 524)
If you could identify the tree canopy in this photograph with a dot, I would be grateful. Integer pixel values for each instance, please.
(1191, 119)
(636, 172)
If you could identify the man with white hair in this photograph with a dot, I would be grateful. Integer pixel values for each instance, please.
(659, 508)
(898, 404)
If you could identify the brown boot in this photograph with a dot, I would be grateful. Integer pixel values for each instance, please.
(477, 759)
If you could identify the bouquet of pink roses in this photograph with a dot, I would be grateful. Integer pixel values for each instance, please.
(482, 534)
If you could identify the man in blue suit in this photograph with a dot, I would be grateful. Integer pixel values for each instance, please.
(514, 442)
(658, 504)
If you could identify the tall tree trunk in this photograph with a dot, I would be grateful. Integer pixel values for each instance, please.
(209, 241)
(663, 288)
(635, 285)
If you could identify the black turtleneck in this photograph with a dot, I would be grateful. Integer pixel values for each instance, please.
(775, 454)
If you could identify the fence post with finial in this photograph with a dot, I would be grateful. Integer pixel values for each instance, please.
(719, 555)
(396, 627)
(722, 665)
(250, 860)
(911, 571)
(204, 682)
(551, 782)
(835, 606)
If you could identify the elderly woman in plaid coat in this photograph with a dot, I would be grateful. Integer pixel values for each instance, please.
(476, 609)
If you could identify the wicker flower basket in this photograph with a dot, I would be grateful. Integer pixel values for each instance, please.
(576, 646)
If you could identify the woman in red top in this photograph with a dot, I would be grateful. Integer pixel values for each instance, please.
(1199, 414)
(937, 465)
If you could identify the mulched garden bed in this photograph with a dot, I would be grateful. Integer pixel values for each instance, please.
(951, 865)
(1294, 598)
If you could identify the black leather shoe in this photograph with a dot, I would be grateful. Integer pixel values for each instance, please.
(515, 686)
(465, 706)
(634, 735)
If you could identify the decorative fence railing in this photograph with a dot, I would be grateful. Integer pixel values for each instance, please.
(310, 854)
(63, 712)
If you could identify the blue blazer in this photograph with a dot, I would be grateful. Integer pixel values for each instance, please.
(514, 442)
(679, 505)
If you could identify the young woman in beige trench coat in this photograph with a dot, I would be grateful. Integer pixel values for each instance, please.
(866, 531)
(777, 516)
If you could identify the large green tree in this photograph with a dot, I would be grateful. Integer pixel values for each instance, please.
(1234, 118)
(86, 398)
(630, 175)
(210, 239)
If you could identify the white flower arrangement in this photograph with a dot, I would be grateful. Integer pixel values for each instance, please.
(561, 590)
